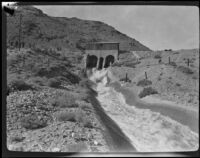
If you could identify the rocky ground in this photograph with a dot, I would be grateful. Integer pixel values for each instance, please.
(47, 108)
(56, 136)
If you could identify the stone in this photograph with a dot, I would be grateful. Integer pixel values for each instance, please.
(56, 149)
(95, 142)
(15, 148)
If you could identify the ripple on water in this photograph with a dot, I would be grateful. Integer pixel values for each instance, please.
(148, 129)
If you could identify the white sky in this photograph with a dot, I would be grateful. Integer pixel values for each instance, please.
(157, 27)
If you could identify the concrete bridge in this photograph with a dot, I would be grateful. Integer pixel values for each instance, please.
(101, 54)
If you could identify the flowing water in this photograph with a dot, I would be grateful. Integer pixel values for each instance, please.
(150, 127)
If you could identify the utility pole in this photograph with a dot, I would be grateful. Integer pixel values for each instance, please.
(145, 75)
(169, 60)
(126, 77)
(20, 20)
(188, 62)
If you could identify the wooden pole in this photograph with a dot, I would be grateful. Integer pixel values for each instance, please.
(48, 62)
(146, 75)
(24, 60)
(20, 19)
(188, 62)
(126, 77)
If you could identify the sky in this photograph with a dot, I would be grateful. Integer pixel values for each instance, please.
(157, 27)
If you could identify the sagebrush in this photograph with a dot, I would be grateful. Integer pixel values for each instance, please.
(54, 82)
(32, 122)
(144, 82)
(147, 91)
(18, 84)
(66, 100)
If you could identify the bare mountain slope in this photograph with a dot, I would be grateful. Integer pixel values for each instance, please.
(41, 30)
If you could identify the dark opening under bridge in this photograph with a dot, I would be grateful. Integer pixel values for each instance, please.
(101, 54)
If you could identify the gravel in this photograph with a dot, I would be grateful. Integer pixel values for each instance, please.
(56, 136)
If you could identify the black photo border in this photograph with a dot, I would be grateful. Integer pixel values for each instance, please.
(5, 151)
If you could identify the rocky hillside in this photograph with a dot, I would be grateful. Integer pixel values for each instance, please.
(61, 33)
(174, 81)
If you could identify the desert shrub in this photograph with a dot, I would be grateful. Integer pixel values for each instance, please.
(82, 94)
(30, 65)
(40, 71)
(192, 65)
(157, 56)
(118, 64)
(82, 73)
(16, 138)
(55, 70)
(185, 70)
(85, 106)
(79, 114)
(168, 50)
(144, 82)
(178, 84)
(18, 84)
(66, 100)
(79, 46)
(130, 65)
(11, 60)
(125, 80)
(87, 122)
(147, 91)
(172, 64)
(33, 122)
(38, 80)
(83, 119)
(195, 77)
(66, 116)
(53, 82)
(86, 83)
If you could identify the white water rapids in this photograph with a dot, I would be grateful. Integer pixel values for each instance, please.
(148, 131)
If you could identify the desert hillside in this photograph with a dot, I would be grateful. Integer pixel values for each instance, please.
(168, 72)
(49, 107)
(61, 33)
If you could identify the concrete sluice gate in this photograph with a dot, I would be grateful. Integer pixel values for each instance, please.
(101, 55)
